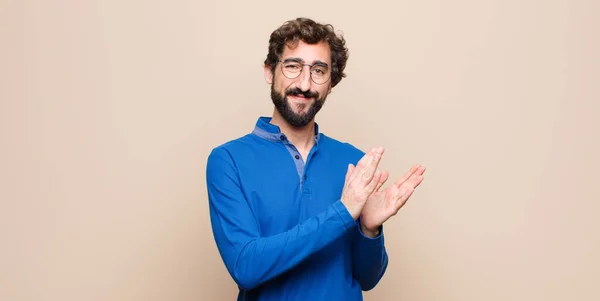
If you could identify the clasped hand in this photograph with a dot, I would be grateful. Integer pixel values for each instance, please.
(362, 195)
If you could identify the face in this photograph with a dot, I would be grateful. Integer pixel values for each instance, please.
(299, 100)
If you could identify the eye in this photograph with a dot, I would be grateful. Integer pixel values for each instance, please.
(292, 66)
(320, 70)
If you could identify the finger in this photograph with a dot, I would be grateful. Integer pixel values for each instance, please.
(369, 171)
(349, 172)
(384, 177)
(403, 198)
(416, 178)
(373, 183)
(364, 161)
(407, 175)
(421, 170)
(411, 183)
(417, 181)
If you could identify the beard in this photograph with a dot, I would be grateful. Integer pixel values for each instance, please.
(283, 106)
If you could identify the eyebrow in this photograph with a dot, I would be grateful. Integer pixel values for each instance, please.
(299, 60)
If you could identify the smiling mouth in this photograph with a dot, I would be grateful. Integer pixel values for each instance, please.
(301, 97)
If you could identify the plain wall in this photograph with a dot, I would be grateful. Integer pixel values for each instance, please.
(108, 110)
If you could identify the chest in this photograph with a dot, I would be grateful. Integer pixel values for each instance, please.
(281, 196)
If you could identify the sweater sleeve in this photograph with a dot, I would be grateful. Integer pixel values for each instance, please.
(251, 259)
(370, 259)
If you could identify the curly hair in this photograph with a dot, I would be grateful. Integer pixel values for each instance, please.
(310, 32)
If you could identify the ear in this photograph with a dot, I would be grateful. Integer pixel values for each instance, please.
(268, 74)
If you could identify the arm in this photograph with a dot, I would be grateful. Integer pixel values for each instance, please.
(251, 259)
(370, 258)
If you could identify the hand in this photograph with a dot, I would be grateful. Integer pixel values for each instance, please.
(361, 181)
(381, 205)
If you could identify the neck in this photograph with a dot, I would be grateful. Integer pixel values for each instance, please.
(302, 138)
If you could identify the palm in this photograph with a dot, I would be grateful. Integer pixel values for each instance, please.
(381, 205)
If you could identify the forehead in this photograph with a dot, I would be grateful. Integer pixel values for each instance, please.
(308, 52)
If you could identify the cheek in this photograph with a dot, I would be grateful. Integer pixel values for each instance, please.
(323, 91)
(281, 85)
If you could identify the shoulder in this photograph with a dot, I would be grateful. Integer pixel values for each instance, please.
(230, 149)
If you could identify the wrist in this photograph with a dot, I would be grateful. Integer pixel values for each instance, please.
(353, 210)
(371, 233)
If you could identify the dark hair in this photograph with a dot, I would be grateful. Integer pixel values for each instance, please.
(310, 32)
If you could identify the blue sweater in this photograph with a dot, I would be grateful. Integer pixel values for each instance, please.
(278, 221)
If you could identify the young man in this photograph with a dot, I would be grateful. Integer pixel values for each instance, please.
(298, 215)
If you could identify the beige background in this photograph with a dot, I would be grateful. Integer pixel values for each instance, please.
(109, 109)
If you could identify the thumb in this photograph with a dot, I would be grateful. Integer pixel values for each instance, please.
(383, 178)
(349, 172)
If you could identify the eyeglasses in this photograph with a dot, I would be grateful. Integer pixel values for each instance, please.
(319, 72)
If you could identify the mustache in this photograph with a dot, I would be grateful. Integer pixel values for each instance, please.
(306, 94)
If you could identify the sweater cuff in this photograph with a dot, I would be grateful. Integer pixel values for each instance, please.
(344, 214)
(372, 240)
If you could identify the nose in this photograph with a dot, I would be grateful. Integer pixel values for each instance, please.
(304, 79)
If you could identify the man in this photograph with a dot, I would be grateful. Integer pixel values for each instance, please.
(297, 215)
